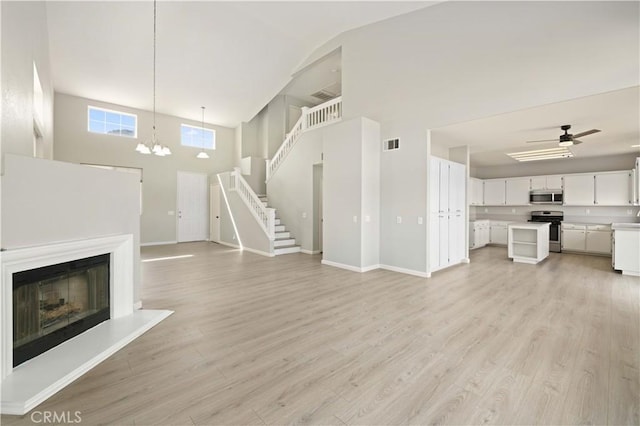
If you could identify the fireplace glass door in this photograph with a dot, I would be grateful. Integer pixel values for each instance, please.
(57, 302)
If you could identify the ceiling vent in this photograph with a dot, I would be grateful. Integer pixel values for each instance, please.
(329, 92)
(391, 144)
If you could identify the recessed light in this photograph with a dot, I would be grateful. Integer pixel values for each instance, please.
(635, 146)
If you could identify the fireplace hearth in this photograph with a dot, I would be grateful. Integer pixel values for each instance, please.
(55, 303)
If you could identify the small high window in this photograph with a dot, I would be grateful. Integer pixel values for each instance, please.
(197, 137)
(110, 122)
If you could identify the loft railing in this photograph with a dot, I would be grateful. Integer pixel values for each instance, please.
(311, 118)
(265, 216)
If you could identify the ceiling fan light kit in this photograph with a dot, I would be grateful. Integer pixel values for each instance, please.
(568, 139)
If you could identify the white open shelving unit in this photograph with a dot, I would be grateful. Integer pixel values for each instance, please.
(528, 242)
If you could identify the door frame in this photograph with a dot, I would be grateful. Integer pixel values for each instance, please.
(214, 194)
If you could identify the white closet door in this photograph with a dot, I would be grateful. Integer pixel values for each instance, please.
(193, 209)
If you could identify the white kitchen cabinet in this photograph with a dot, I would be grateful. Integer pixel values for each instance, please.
(479, 233)
(448, 213)
(546, 182)
(477, 192)
(574, 237)
(579, 190)
(498, 232)
(626, 248)
(613, 188)
(598, 239)
(517, 191)
(587, 238)
(494, 192)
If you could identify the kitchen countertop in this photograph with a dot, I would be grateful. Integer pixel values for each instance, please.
(529, 225)
(630, 226)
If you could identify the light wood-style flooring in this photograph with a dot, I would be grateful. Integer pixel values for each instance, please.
(283, 340)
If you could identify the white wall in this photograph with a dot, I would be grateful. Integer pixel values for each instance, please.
(24, 42)
(571, 165)
(290, 189)
(403, 192)
(48, 202)
(370, 188)
(75, 144)
(351, 183)
(249, 232)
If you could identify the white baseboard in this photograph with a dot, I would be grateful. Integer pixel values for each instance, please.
(466, 260)
(260, 252)
(310, 251)
(406, 271)
(137, 305)
(349, 267)
(224, 243)
(158, 243)
(369, 268)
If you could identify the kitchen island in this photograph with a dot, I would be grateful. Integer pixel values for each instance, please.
(528, 242)
(626, 248)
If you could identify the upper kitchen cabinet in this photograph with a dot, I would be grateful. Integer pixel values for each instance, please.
(517, 191)
(546, 182)
(477, 192)
(601, 189)
(614, 189)
(579, 190)
(495, 192)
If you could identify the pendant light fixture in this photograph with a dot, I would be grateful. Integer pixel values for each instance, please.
(156, 148)
(202, 154)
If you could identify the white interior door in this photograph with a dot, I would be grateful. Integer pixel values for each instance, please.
(214, 209)
(193, 214)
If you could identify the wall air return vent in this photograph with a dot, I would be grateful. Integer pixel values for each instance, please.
(391, 144)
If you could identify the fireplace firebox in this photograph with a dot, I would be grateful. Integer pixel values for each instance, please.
(57, 302)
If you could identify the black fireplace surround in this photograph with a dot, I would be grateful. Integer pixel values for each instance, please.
(54, 303)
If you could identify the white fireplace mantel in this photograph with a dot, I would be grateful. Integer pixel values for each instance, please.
(30, 383)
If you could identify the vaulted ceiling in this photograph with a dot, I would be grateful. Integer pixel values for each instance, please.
(231, 57)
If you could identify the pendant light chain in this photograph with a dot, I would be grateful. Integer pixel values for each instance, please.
(154, 69)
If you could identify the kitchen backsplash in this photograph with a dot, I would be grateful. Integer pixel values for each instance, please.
(591, 214)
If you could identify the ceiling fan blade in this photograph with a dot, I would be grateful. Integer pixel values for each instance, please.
(588, 132)
(576, 142)
(544, 140)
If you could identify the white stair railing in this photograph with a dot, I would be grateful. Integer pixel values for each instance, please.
(311, 118)
(265, 216)
(325, 113)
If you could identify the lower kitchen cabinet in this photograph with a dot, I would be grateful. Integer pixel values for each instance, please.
(498, 232)
(586, 238)
(479, 233)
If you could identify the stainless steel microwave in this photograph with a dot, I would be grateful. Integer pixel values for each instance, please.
(546, 196)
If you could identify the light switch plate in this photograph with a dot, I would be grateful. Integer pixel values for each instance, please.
(419, 220)
(304, 215)
(367, 219)
(171, 213)
(399, 219)
(355, 219)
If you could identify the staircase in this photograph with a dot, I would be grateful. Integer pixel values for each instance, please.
(283, 243)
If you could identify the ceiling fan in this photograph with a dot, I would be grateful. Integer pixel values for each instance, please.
(568, 139)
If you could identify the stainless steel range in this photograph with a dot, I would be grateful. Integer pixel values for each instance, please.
(555, 218)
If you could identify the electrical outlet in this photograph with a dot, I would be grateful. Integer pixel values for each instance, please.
(587, 211)
(513, 210)
(355, 219)
(304, 215)
(171, 213)
(486, 210)
(629, 212)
